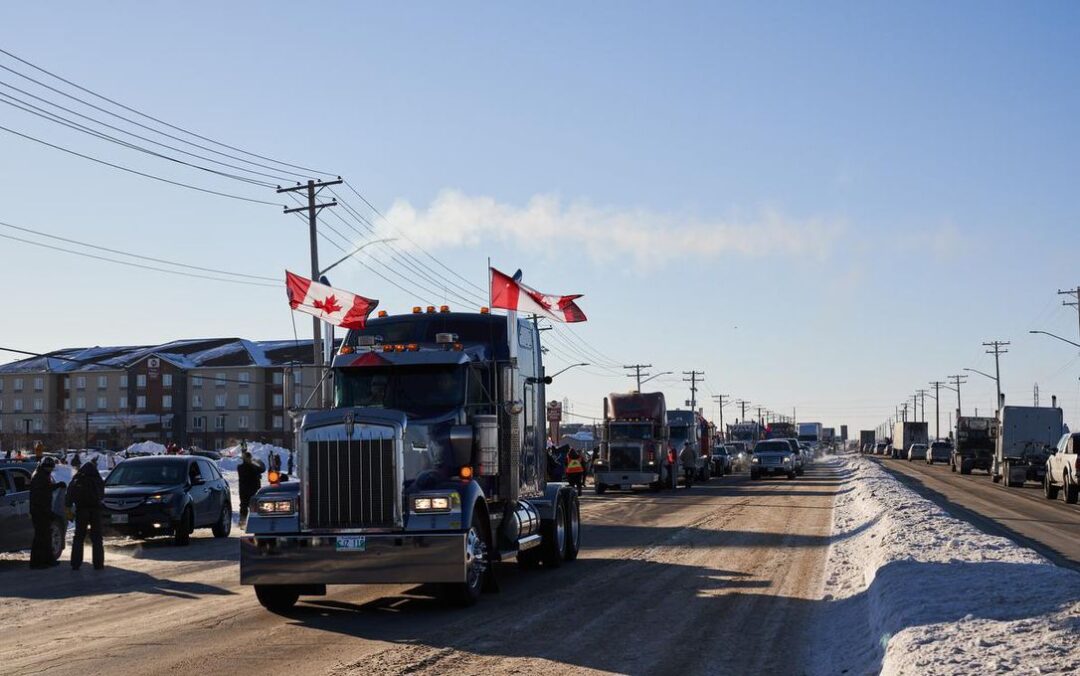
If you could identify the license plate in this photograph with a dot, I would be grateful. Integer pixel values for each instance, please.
(119, 518)
(351, 543)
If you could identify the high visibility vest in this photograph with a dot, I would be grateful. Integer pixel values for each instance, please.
(573, 466)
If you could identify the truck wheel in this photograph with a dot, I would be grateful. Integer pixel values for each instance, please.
(1072, 491)
(801, 471)
(573, 528)
(599, 488)
(477, 563)
(277, 597)
(1049, 489)
(965, 467)
(553, 537)
(952, 466)
(791, 475)
(182, 529)
(224, 523)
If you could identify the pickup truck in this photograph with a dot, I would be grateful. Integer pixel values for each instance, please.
(16, 528)
(1063, 469)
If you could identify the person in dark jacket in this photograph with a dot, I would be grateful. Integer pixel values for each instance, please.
(86, 492)
(248, 473)
(41, 513)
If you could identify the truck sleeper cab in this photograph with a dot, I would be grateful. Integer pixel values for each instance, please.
(429, 468)
(634, 444)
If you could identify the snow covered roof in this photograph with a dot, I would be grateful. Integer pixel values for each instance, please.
(185, 354)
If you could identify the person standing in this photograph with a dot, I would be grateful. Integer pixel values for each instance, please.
(86, 492)
(41, 513)
(575, 469)
(688, 460)
(249, 475)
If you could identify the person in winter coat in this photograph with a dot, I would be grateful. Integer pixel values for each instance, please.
(41, 513)
(688, 460)
(249, 473)
(575, 469)
(86, 492)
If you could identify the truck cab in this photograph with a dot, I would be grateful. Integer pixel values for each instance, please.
(635, 442)
(1026, 436)
(429, 468)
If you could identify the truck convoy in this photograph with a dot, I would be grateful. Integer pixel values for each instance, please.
(429, 468)
(1027, 433)
(634, 442)
(907, 433)
(810, 433)
(974, 447)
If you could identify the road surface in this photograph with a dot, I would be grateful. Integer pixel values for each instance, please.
(1023, 515)
(721, 578)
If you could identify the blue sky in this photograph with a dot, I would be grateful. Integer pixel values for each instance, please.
(866, 192)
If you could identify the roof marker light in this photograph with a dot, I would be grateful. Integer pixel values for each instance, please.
(485, 310)
(416, 309)
(383, 313)
(430, 309)
(444, 308)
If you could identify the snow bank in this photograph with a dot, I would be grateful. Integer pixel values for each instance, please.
(232, 456)
(146, 447)
(911, 590)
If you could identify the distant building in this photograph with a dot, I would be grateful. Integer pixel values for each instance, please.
(205, 392)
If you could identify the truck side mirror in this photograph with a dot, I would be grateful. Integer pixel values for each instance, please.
(461, 444)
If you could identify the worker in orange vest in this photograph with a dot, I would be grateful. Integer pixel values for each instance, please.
(575, 469)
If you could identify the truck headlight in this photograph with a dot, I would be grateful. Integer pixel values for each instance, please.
(275, 507)
(788, 459)
(434, 503)
(755, 460)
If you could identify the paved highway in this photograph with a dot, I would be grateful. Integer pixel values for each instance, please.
(1022, 514)
(721, 578)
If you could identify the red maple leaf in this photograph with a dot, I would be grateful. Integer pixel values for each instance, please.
(328, 305)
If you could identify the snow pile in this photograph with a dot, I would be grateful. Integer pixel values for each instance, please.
(145, 448)
(233, 455)
(910, 590)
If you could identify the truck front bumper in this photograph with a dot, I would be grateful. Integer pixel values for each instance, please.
(631, 478)
(384, 559)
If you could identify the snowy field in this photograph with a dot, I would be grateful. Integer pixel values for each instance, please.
(910, 590)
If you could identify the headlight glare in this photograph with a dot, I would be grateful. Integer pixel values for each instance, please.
(433, 503)
(159, 499)
(275, 507)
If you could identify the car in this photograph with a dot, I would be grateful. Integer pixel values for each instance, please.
(772, 456)
(798, 455)
(809, 452)
(938, 451)
(167, 495)
(881, 448)
(740, 455)
(1063, 470)
(721, 460)
(16, 527)
(916, 451)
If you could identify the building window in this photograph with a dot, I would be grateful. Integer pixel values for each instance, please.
(102, 382)
(102, 403)
(219, 401)
(1, 404)
(2, 384)
(219, 380)
(80, 403)
(168, 423)
(18, 404)
(18, 384)
(39, 384)
(219, 422)
(279, 377)
(67, 384)
(279, 400)
(278, 422)
(140, 380)
(39, 404)
(196, 381)
(244, 377)
(123, 380)
(37, 425)
(140, 402)
(243, 400)
(166, 380)
(166, 401)
(123, 402)
(297, 401)
(67, 404)
(196, 401)
(80, 382)
(197, 422)
(297, 376)
(243, 423)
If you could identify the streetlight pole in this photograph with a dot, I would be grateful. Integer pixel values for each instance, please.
(995, 349)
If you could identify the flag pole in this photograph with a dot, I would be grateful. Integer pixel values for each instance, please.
(489, 282)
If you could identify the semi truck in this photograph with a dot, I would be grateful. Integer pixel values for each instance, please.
(429, 468)
(634, 442)
(907, 433)
(688, 426)
(866, 441)
(810, 432)
(973, 446)
(781, 430)
(1026, 435)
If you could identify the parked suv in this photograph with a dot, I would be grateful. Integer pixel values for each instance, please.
(939, 451)
(916, 451)
(772, 456)
(16, 527)
(171, 495)
(1063, 469)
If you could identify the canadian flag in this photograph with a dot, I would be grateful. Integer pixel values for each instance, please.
(331, 305)
(508, 293)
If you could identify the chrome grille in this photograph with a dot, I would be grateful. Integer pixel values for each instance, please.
(351, 483)
(625, 458)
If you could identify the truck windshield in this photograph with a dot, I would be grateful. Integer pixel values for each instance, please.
(639, 431)
(679, 432)
(418, 391)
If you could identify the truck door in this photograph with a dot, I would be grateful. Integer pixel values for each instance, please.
(532, 417)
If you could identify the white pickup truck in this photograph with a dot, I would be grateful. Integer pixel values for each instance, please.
(1063, 469)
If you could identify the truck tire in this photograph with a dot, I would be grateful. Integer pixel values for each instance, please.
(952, 466)
(1050, 491)
(965, 467)
(477, 565)
(573, 527)
(791, 474)
(277, 598)
(599, 488)
(1071, 489)
(553, 537)
(182, 528)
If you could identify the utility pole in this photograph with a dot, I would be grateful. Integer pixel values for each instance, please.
(905, 411)
(742, 404)
(995, 349)
(1076, 303)
(922, 402)
(637, 373)
(958, 380)
(693, 380)
(936, 384)
(719, 399)
(761, 421)
(313, 208)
